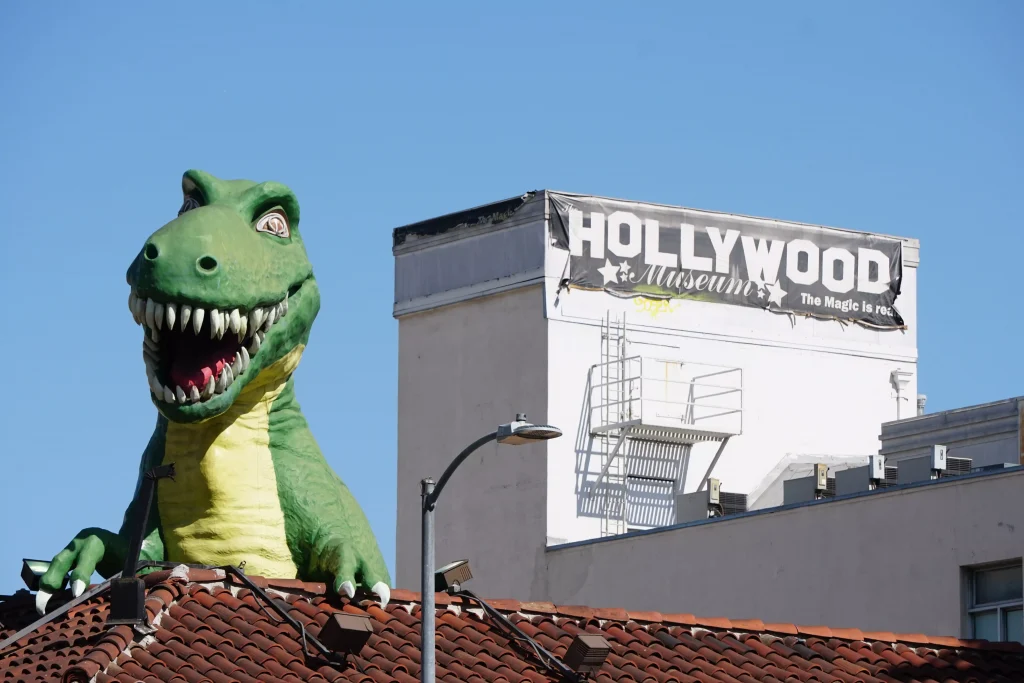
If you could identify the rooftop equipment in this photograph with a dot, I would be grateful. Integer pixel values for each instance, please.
(691, 507)
(346, 633)
(806, 489)
(452, 576)
(860, 479)
(128, 592)
(957, 466)
(899, 380)
(923, 467)
(587, 653)
(33, 570)
(709, 503)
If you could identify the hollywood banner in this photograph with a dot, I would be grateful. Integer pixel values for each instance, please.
(633, 249)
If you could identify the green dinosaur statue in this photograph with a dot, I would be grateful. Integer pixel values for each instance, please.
(226, 298)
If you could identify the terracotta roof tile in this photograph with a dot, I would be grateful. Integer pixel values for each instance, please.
(208, 629)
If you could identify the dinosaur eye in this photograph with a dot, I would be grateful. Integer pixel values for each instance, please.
(189, 204)
(275, 223)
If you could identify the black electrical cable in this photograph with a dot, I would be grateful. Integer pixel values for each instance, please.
(547, 660)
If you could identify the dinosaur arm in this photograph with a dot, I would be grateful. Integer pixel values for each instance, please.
(328, 534)
(103, 551)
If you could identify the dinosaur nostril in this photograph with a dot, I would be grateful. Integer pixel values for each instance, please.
(207, 263)
(151, 252)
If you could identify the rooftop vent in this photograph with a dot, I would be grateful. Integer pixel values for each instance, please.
(587, 653)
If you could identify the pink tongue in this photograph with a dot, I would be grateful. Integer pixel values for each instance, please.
(186, 374)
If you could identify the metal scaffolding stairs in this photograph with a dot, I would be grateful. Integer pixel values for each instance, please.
(644, 462)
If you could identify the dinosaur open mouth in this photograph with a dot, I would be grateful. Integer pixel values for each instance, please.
(193, 353)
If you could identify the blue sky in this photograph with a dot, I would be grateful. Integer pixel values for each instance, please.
(901, 118)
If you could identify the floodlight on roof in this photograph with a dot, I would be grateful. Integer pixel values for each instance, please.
(586, 653)
(452, 576)
(32, 571)
(346, 633)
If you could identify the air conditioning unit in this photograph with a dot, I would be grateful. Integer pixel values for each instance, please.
(891, 477)
(957, 466)
(860, 479)
(732, 503)
(922, 467)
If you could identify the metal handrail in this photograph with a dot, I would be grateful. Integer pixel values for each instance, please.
(634, 389)
(635, 378)
(675, 361)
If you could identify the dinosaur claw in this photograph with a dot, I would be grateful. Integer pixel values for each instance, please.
(348, 589)
(42, 597)
(77, 587)
(383, 591)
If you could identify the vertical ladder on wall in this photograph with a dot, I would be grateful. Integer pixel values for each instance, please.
(613, 496)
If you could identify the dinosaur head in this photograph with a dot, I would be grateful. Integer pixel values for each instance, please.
(223, 292)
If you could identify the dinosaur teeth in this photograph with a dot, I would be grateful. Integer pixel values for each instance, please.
(255, 319)
(209, 389)
(139, 312)
(160, 318)
(133, 306)
(254, 346)
(158, 315)
(214, 323)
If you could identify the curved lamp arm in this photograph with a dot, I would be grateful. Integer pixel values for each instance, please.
(428, 502)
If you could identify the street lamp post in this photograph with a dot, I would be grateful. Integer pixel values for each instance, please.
(515, 433)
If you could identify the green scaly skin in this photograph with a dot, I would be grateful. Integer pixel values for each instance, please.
(327, 534)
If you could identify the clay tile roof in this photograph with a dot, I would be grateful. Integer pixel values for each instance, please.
(207, 628)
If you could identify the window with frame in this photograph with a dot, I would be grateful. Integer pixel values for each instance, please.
(995, 608)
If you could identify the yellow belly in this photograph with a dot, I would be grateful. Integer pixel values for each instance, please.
(222, 507)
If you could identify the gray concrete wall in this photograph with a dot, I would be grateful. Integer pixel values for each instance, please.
(463, 370)
(882, 561)
(989, 434)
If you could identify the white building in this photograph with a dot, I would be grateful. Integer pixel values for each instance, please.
(520, 305)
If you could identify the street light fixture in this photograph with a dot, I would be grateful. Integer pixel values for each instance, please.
(514, 433)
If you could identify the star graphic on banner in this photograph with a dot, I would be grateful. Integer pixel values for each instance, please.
(775, 293)
(609, 272)
(761, 291)
(624, 269)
